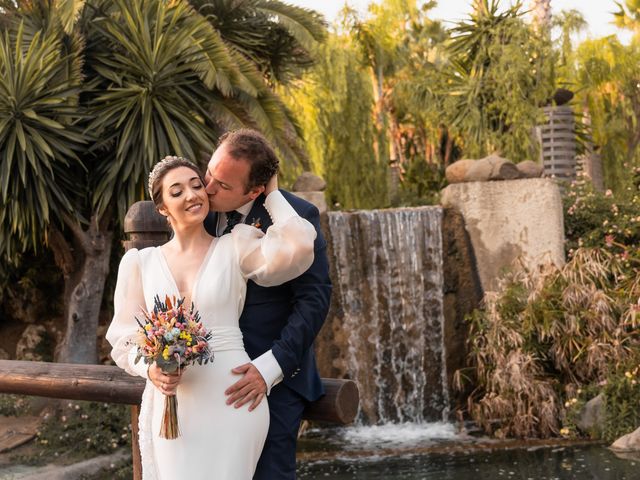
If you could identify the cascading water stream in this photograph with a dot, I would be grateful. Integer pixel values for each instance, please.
(389, 286)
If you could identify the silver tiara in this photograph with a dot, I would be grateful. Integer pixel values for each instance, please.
(157, 170)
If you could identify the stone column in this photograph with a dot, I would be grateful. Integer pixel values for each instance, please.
(510, 221)
(591, 165)
(558, 148)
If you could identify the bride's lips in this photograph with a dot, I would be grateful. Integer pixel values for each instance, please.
(194, 208)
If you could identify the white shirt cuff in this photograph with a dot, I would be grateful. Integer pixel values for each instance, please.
(269, 368)
(279, 209)
(141, 368)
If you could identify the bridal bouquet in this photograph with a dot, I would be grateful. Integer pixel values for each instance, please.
(173, 337)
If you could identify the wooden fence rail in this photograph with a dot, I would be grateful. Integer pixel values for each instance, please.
(104, 383)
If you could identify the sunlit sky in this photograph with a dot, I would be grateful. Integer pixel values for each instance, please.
(596, 12)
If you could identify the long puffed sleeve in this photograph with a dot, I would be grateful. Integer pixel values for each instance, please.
(128, 302)
(280, 255)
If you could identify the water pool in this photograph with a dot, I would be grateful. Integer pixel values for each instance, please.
(384, 453)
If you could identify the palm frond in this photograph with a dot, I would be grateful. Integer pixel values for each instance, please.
(68, 12)
(307, 26)
(176, 84)
(39, 137)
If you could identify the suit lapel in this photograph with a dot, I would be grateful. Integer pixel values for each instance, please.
(258, 214)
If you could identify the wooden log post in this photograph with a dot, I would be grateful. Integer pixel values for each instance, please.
(145, 227)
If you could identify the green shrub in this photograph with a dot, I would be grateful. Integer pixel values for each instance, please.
(82, 430)
(621, 392)
(594, 219)
(14, 405)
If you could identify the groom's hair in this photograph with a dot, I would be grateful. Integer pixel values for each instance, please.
(251, 146)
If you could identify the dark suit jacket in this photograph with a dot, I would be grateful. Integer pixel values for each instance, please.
(287, 318)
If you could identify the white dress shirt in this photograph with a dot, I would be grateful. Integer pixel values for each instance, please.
(266, 363)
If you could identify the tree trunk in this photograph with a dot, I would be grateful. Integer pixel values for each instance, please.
(84, 288)
(447, 150)
(541, 13)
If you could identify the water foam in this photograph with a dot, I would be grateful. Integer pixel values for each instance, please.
(401, 434)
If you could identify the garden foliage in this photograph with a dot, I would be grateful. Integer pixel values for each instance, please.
(550, 340)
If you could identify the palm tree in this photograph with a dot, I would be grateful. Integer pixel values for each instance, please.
(570, 22)
(498, 80)
(92, 94)
(629, 15)
(279, 49)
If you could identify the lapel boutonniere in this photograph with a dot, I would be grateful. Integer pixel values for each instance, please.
(256, 223)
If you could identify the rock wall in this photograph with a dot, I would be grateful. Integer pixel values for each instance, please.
(462, 295)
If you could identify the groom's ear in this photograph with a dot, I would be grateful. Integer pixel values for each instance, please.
(256, 191)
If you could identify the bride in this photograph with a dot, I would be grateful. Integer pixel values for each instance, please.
(217, 440)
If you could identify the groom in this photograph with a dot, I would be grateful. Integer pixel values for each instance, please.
(279, 324)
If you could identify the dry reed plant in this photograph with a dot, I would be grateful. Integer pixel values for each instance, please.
(544, 335)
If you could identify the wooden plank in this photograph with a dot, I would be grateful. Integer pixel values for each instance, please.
(16, 431)
(560, 144)
(564, 137)
(568, 138)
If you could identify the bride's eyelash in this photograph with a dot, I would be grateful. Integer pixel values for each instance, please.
(195, 186)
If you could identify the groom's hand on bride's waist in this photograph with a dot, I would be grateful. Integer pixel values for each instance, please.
(250, 388)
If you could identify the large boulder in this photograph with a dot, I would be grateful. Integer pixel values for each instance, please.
(503, 169)
(317, 198)
(308, 182)
(462, 294)
(480, 171)
(457, 171)
(628, 443)
(492, 167)
(592, 416)
(508, 221)
(530, 169)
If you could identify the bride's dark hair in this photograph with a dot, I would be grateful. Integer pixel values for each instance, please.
(163, 167)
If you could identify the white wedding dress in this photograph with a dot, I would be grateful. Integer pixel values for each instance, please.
(218, 441)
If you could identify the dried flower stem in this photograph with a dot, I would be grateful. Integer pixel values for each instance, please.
(169, 428)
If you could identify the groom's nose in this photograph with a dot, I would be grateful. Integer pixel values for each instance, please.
(210, 187)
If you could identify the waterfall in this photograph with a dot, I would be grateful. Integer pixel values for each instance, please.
(388, 284)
